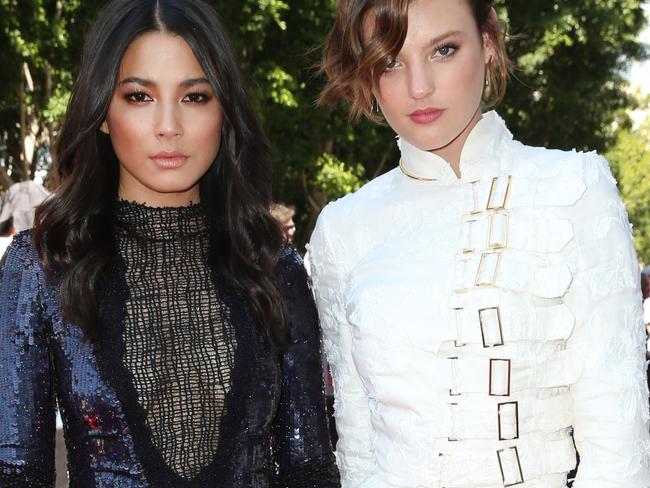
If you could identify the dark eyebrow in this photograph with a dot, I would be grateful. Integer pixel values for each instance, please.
(442, 37)
(135, 79)
(194, 81)
(141, 81)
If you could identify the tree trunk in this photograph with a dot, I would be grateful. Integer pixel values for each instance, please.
(5, 181)
(21, 167)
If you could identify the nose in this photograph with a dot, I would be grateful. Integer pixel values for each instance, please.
(168, 123)
(420, 81)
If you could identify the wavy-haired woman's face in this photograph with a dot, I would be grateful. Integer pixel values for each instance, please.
(431, 92)
(164, 121)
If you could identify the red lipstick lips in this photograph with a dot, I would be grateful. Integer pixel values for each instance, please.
(426, 115)
(169, 159)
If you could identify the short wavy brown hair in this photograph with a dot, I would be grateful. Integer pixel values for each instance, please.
(353, 64)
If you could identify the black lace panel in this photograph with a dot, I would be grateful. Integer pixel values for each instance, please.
(179, 342)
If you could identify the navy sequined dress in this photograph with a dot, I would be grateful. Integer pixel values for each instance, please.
(180, 390)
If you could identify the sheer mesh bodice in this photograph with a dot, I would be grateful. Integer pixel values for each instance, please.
(179, 340)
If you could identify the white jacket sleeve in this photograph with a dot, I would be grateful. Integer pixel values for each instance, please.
(610, 398)
(353, 450)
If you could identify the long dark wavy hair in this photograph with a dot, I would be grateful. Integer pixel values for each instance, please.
(73, 230)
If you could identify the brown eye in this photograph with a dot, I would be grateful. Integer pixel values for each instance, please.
(196, 97)
(138, 97)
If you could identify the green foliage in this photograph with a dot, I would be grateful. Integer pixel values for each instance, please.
(629, 158)
(567, 90)
(335, 178)
(40, 43)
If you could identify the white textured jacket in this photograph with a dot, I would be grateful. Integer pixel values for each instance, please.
(473, 324)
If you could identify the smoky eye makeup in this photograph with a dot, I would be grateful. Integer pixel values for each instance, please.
(137, 96)
(199, 97)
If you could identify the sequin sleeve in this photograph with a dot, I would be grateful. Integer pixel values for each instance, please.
(302, 443)
(610, 399)
(27, 406)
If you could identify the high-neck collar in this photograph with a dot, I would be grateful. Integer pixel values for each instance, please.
(160, 223)
(478, 157)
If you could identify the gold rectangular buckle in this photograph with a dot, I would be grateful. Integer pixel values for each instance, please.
(479, 282)
(469, 222)
(492, 368)
(500, 413)
(475, 210)
(494, 188)
(520, 479)
(495, 244)
(483, 316)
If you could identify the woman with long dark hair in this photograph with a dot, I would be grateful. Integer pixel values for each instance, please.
(155, 301)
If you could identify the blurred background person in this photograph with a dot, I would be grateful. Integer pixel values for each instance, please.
(17, 210)
(284, 214)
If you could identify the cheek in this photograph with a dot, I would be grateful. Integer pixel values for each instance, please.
(465, 78)
(206, 133)
(393, 96)
(390, 91)
(127, 133)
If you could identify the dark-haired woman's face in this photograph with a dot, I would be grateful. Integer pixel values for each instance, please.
(164, 121)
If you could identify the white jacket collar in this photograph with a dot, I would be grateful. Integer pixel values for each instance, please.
(479, 157)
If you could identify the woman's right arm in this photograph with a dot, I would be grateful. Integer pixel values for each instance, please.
(353, 449)
(27, 405)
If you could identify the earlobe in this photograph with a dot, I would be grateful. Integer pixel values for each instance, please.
(104, 127)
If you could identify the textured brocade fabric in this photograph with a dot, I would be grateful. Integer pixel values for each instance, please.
(271, 432)
(477, 326)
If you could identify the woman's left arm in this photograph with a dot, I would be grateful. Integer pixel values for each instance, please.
(610, 397)
(301, 431)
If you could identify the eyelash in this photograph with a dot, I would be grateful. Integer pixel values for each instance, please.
(444, 57)
(140, 97)
(137, 96)
(202, 97)
(448, 45)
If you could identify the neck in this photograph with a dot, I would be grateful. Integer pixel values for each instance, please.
(452, 151)
(159, 223)
(133, 191)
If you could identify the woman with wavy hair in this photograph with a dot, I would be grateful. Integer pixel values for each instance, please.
(154, 301)
(480, 303)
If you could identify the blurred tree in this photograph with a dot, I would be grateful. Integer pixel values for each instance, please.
(567, 91)
(40, 43)
(317, 155)
(570, 58)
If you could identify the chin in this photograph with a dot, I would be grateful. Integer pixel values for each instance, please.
(429, 143)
